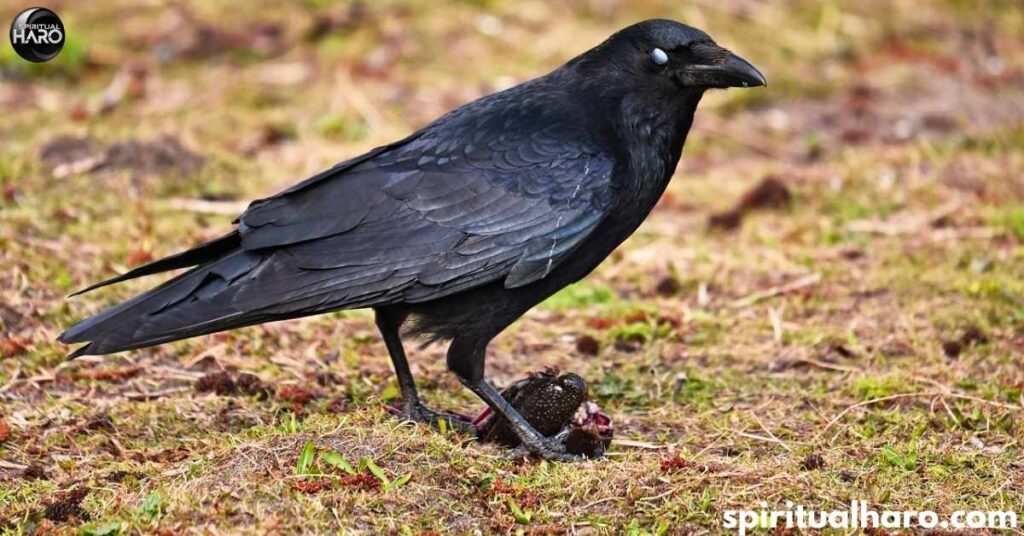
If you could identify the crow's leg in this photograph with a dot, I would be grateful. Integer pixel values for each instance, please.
(466, 360)
(413, 409)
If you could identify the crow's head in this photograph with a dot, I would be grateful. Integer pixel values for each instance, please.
(667, 57)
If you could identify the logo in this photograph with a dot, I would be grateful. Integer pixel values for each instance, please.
(37, 34)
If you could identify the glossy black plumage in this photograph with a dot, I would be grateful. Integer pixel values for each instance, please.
(416, 221)
(460, 227)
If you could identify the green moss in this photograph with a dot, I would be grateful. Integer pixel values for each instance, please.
(872, 387)
(580, 295)
(1011, 219)
(341, 128)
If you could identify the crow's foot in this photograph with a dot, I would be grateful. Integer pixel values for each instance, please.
(546, 448)
(420, 413)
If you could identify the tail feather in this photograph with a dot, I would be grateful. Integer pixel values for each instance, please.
(202, 253)
(230, 287)
(170, 311)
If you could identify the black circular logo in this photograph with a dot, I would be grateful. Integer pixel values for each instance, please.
(37, 34)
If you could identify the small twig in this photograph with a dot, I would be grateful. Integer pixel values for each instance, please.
(358, 100)
(213, 353)
(769, 432)
(709, 446)
(827, 365)
(597, 502)
(12, 465)
(153, 395)
(41, 378)
(748, 435)
(204, 206)
(658, 496)
(638, 444)
(803, 282)
(985, 402)
(947, 391)
(703, 298)
(14, 380)
(775, 317)
(178, 374)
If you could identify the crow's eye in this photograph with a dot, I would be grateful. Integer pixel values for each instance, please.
(659, 57)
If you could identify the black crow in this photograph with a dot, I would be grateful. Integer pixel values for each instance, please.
(457, 230)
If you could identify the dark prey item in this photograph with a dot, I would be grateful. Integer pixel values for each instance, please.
(555, 405)
(455, 231)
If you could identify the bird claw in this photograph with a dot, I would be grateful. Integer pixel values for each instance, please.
(419, 413)
(548, 448)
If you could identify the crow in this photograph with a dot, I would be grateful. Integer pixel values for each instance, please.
(457, 230)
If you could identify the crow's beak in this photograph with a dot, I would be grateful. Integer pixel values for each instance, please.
(729, 71)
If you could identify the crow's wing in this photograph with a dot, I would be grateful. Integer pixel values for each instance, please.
(433, 216)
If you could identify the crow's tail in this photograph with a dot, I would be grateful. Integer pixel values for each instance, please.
(202, 253)
(172, 310)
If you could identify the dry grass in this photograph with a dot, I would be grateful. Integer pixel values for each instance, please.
(863, 342)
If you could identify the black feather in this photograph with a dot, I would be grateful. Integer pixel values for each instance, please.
(197, 255)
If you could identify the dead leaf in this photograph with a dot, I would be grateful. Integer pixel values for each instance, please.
(111, 375)
(139, 256)
(13, 346)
